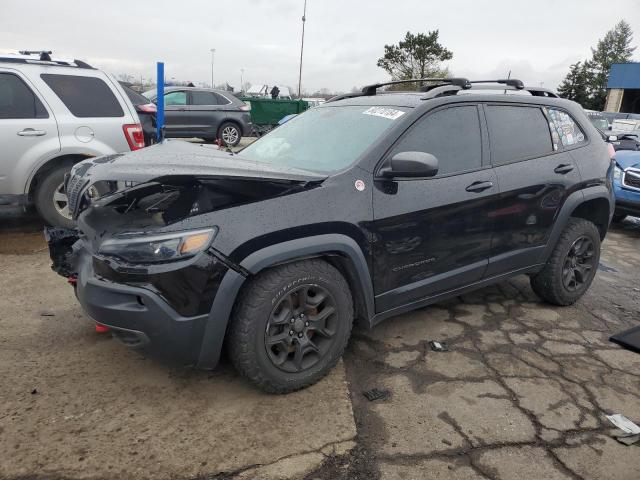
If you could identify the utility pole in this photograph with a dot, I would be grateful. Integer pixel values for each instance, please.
(241, 79)
(304, 19)
(213, 51)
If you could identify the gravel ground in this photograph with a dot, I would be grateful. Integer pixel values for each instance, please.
(521, 393)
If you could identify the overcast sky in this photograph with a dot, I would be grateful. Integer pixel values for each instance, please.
(536, 40)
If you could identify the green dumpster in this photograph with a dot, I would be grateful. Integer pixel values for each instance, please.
(267, 112)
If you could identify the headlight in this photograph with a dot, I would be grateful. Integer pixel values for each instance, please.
(617, 173)
(158, 248)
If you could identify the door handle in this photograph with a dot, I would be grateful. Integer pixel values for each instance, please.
(477, 187)
(30, 132)
(563, 168)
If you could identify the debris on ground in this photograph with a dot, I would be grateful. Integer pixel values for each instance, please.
(34, 391)
(376, 394)
(438, 346)
(631, 431)
(628, 339)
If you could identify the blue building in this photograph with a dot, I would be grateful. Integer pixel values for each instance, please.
(624, 88)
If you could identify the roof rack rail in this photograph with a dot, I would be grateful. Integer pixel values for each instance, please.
(509, 84)
(42, 57)
(369, 90)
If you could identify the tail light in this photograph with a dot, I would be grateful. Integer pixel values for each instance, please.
(133, 134)
(147, 108)
(246, 107)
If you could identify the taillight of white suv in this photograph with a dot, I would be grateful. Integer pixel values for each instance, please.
(134, 135)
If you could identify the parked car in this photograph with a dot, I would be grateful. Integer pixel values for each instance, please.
(626, 184)
(146, 111)
(598, 120)
(53, 114)
(365, 207)
(204, 113)
(625, 141)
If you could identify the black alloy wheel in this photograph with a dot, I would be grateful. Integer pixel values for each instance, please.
(301, 328)
(578, 264)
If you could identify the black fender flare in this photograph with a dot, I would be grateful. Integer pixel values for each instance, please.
(573, 201)
(232, 282)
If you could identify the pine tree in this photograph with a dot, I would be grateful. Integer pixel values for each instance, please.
(575, 85)
(586, 82)
(614, 47)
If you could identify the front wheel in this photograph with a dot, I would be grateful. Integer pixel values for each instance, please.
(291, 325)
(230, 134)
(572, 266)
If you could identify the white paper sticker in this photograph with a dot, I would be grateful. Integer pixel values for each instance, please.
(623, 423)
(390, 113)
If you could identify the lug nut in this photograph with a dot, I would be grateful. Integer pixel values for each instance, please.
(306, 324)
(292, 320)
(300, 335)
(302, 315)
(291, 332)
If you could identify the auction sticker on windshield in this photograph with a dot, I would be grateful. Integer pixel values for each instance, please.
(390, 113)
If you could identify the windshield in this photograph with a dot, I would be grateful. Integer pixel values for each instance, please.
(326, 139)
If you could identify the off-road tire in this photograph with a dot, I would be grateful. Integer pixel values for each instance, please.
(44, 197)
(547, 283)
(245, 341)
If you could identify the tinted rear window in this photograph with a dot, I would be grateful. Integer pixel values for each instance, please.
(516, 133)
(17, 100)
(134, 96)
(203, 98)
(84, 96)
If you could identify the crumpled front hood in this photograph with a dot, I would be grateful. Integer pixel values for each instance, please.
(628, 159)
(175, 158)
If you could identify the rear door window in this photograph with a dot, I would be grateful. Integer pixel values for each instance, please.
(17, 100)
(564, 129)
(452, 135)
(175, 98)
(203, 98)
(85, 97)
(517, 133)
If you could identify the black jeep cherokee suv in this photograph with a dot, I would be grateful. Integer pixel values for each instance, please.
(366, 207)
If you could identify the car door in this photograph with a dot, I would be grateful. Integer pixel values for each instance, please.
(433, 235)
(28, 131)
(204, 112)
(535, 172)
(177, 119)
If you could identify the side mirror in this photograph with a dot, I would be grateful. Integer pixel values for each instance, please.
(411, 165)
(612, 138)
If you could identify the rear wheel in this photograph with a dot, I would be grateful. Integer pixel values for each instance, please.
(291, 325)
(572, 266)
(51, 201)
(230, 134)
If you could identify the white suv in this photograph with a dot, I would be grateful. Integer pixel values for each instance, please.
(53, 114)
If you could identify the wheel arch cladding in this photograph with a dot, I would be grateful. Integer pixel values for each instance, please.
(592, 204)
(49, 165)
(595, 210)
(339, 250)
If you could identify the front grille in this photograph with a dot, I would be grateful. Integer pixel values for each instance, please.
(631, 179)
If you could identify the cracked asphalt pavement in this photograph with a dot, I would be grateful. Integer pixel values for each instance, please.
(521, 393)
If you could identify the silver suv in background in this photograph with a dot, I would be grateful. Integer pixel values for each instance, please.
(53, 114)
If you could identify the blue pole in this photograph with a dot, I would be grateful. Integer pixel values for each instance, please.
(160, 102)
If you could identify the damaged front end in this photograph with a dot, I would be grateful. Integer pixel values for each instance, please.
(154, 189)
